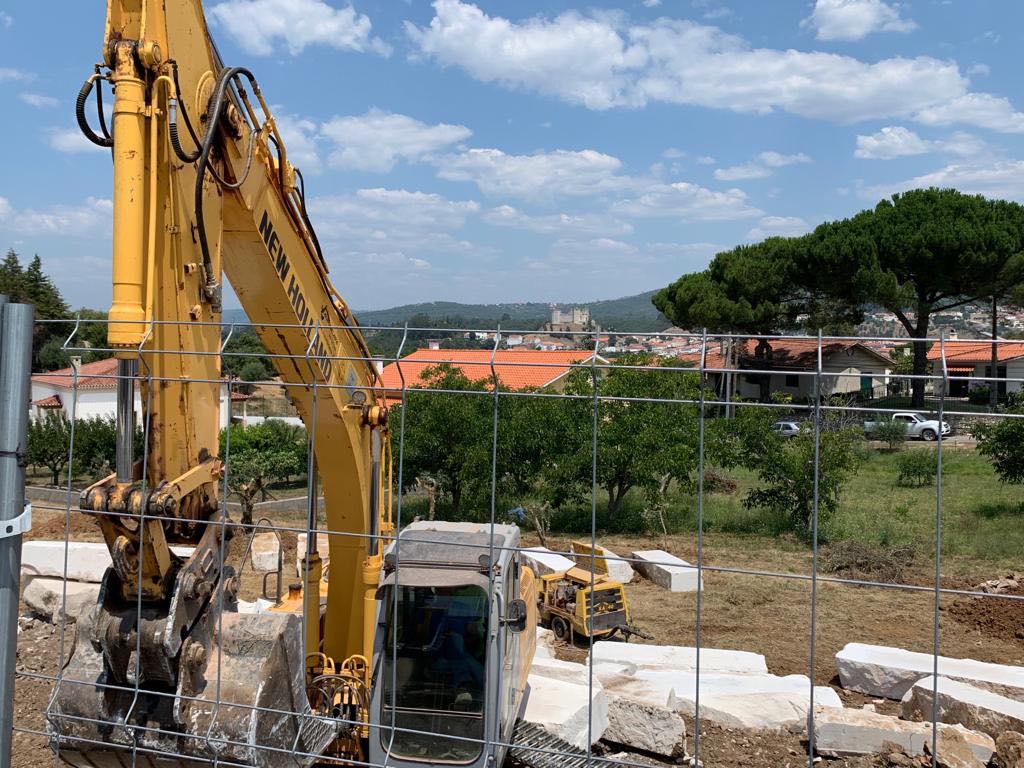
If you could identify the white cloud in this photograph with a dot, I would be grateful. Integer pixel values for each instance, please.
(778, 226)
(70, 141)
(706, 160)
(602, 61)
(982, 109)
(979, 69)
(997, 178)
(88, 218)
(889, 142)
(377, 140)
(688, 202)
(762, 167)
(652, 3)
(257, 25)
(38, 100)
(896, 141)
(672, 153)
(16, 75)
(540, 175)
(856, 19)
(557, 223)
(5, 20)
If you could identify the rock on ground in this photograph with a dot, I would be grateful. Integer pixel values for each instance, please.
(659, 657)
(840, 732)
(1010, 750)
(545, 644)
(890, 672)
(543, 562)
(972, 707)
(646, 727)
(666, 570)
(564, 708)
(45, 597)
(265, 552)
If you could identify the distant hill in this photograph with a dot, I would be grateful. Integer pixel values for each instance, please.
(629, 313)
(634, 313)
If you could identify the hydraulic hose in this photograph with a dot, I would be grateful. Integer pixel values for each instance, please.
(83, 121)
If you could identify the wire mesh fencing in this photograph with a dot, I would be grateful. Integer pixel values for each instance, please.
(753, 460)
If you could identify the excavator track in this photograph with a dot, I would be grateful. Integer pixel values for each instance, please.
(533, 746)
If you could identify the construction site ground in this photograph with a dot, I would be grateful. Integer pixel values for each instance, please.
(763, 614)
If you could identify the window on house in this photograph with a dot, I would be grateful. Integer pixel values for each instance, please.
(792, 380)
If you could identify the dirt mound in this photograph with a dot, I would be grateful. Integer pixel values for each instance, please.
(856, 560)
(49, 525)
(992, 615)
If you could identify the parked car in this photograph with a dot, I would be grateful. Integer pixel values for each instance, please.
(917, 426)
(786, 428)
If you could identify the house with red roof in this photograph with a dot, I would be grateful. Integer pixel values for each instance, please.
(87, 390)
(516, 369)
(847, 367)
(969, 364)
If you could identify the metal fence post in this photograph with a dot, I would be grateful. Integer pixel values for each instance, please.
(15, 369)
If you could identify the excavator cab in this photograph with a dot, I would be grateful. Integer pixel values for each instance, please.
(454, 644)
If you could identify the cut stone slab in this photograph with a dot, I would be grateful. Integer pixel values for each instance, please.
(45, 597)
(265, 552)
(974, 708)
(259, 606)
(666, 570)
(660, 657)
(618, 567)
(646, 727)
(543, 562)
(86, 561)
(323, 548)
(569, 671)
(839, 732)
(567, 710)
(890, 672)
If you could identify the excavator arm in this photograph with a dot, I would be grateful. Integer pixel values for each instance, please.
(203, 189)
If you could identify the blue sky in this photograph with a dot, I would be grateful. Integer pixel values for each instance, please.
(505, 151)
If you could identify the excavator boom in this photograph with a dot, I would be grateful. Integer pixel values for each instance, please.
(164, 668)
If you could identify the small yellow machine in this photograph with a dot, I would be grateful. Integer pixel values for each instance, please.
(584, 600)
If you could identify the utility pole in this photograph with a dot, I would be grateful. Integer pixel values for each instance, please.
(15, 515)
(993, 387)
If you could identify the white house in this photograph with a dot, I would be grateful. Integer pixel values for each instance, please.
(969, 365)
(96, 392)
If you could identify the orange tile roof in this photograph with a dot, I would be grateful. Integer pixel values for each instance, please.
(976, 351)
(53, 401)
(101, 374)
(516, 369)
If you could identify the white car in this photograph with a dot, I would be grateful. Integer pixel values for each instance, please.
(917, 426)
(786, 428)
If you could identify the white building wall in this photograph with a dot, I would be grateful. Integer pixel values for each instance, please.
(101, 403)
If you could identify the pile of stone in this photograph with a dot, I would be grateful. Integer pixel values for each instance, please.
(977, 703)
(638, 694)
(1002, 585)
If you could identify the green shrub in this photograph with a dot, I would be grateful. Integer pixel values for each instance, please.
(979, 396)
(916, 468)
(892, 432)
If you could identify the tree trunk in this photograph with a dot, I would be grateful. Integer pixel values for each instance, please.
(616, 493)
(920, 361)
(247, 507)
(993, 388)
(456, 491)
(763, 355)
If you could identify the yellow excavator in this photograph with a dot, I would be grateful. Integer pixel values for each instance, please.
(414, 647)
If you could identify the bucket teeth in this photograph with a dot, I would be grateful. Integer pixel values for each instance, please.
(241, 700)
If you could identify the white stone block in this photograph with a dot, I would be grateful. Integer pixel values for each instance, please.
(569, 711)
(45, 597)
(545, 644)
(890, 672)
(618, 567)
(666, 570)
(659, 657)
(259, 606)
(322, 547)
(569, 671)
(543, 562)
(839, 732)
(974, 708)
(86, 561)
(265, 552)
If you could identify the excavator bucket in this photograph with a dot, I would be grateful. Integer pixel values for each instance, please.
(240, 699)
